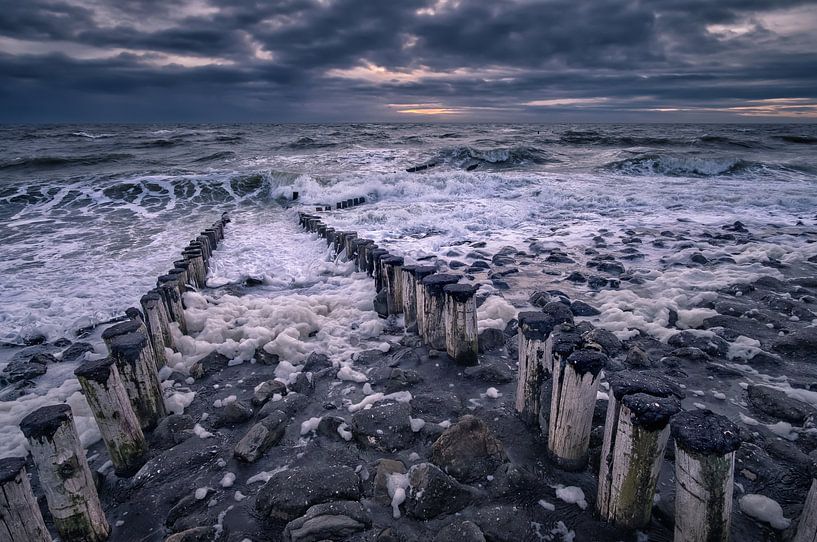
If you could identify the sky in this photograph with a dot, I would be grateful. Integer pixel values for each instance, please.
(408, 61)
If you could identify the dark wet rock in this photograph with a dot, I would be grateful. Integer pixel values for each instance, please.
(17, 371)
(490, 339)
(511, 480)
(329, 521)
(460, 531)
(380, 304)
(502, 260)
(778, 405)
(196, 534)
(316, 362)
(799, 345)
(576, 276)
(636, 357)
(699, 258)
(504, 523)
(405, 358)
(596, 282)
(691, 353)
(266, 390)
(289, 494)
(209, 365)
(770, 283)
(790, 455)
(456, 264)
(368, 357)
(394, 379)
(332, 426)
(468, 450)
(263, 357)
(27, 353)
(234, 413)
(384, 427)
(303, 384)
(612, 267)
(384, 468)
(76, 351)
(432, 493)
(737, 226)
(539, 299)
(500, 284)
(291, 405)
(172, 430)
(580, 308)
(606, 339)
(558, 312)
(492, 372)
(712, 345)
(559, 257)
(178, 517)
(436, 407)
(261, 437)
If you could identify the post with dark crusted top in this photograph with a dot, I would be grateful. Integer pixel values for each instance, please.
(575, 384)
(133, 355)
(158, 325)
(348, 247)
(118, 424)
(534, 329)
(807, 529)
(433, 330)
(377, 268)
(20, 517)
(394, 284)
(461, 336)
(635, 438)
(409, 297)
(168, 288)
(705, 445)
(64, 474)
(420, 273)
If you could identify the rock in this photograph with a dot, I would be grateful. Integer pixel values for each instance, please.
(699, 258)
(266, 390)
(539, 299)
(576, 276)
(491, 339)
(490, 372)
(468, 450)
(179, 515)
(384, 427)
(691, 353)
(800, 345)
(404, 357)
(460, 531)
(196, 534)
(172, 430)
(504, 523)
(234, 413)
(558, 311)
(580, 308)
(511, 480)
(636, 357)
(330, 521)
(778, 405)
(612, 267)
(316, 362)
(263, 357)
(712, 345)
(380, 305)
(289, 494)
(76, 351)
(606, 339)
(291, 404)
(385, 468)
(261, 437)
(303, 384)
(16, 371)
(396, 379)
(432, 492)
(209, 365)
(436, 406)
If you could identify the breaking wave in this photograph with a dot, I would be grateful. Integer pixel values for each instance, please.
(54, 162)
(681, 165)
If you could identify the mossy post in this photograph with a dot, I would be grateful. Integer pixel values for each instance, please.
(394, 284)
(575, 384)
(64, 474)
(807, 528)
(168, 288)
(409, 297)
(20, 516)
(534, 330)
(118, 424)
(133, 354)
(157, 323)
(433, 330)
(377, 268)
(196, 270)
(420, 273)
(635, 438)
(705, 445)
(461, 335)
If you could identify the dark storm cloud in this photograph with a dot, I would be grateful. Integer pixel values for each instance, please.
(318, 60)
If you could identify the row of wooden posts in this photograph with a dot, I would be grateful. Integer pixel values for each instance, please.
(125, 396)
(560, 369)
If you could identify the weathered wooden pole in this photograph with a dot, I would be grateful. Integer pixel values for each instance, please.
(133, 354)
(20, 517)
(118, 424)
(807, 528)
(534, 330)
(420, 273)
(348, 247)
(168, 288)
(157, 323)
(705, 445)
(575, 384)
(635, 438)
(433, 330)
(196, 270)
(377, 268)
(363, 246)
(64, 474)
(461, 335)
(330, 237)
(393, 267)
(409, 297)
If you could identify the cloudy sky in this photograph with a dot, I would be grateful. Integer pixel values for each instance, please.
(408, 60)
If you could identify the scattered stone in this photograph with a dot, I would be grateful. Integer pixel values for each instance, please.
(316, 362)
(461, 531)
(511, 480)
(76, 351)
(800, 345)
(330, 521)
(289, 494)
(234, 413)
(699, 258)
(490, 372)
(381, 307)
(432, 492)
(395, 379)
(384, 427)
(209, 365)
(712, 345)
(468, 450)
(196, 534)
(303, 384)
(580, 308)
(778, 405)
(266, 390)
(606, 339)
(490, 339)
(504, 523)
(576, 276)
(261, 437)
(436, 406)
(172, 430)
(263, 357)
(636, 357)
(691, 353)
(16, 371)
(384, 469)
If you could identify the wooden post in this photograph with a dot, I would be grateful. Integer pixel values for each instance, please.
(183, 266)
(330, 236)
(118, 424)
(377, 268)
(294, 196)
(157, 323)
(409, 297)
(349, 249)
(433, 330)
(807, 528)
(20, 517)
(393, 267)
(705, 445)
(168, 288)
(363, 248)
(206, 248)
(64, 474)
(372, 261)
(134, 359)
(635, 438)
(420, 273)
(534, 330)
(461, 336)
(350, 202)
(197, 272)
(575, 384)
